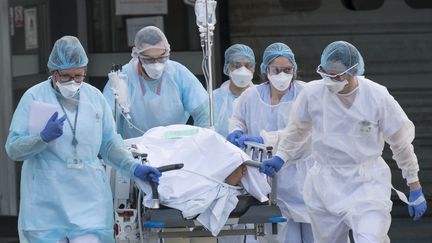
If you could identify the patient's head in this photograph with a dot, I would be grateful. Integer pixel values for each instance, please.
(235, 177)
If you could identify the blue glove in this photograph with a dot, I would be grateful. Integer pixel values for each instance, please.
(234, 136)
(244, 138)
(53, 129)
(271, 166)
(147, 173)
(419, 209)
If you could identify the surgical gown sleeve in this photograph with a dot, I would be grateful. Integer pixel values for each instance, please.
(112, 149)
(201, 115)
(20, 145)
(194, 97)
(108, 94)
(399, 133)
(296, 135)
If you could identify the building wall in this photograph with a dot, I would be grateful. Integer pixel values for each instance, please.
(8, 199)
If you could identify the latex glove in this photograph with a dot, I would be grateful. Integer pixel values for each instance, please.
(250, 138)
(418, 210)
(53, 129)
(271, 166)
(234, 136)
(147, 173)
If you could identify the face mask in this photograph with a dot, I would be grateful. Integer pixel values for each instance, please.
(241, 77)
(335, 86)
(154, 70)
(280, 81)
(68, 89)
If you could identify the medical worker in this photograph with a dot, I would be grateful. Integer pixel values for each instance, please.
(65, 194)
(258, 113)
(239, 66)
(350, 117)
(161, 92)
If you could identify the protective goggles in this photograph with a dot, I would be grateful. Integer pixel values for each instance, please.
(274, 70)
(237, 65)
(66, 77)
(323, 74)
(148, 60)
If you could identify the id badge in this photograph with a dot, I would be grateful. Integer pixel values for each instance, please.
(75, 163)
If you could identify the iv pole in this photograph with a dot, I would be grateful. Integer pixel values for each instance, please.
(206, 19)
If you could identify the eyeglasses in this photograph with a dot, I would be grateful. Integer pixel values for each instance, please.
(237, 65)
(337, 77)
(147, 59)
(67, 77)
(273, 70)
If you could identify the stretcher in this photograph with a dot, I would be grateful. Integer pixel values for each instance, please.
(135, 223)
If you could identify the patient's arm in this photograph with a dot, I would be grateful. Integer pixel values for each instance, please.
(235, 177)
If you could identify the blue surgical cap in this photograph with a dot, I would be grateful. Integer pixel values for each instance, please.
(340, 56)
(150, 37)
(277, 50)
(67, 53)
(236, 52)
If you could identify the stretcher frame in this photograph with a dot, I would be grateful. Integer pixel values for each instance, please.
(169, 223)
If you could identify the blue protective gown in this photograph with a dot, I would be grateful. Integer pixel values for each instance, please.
(168, 100)
(57, 201)
(223, 100)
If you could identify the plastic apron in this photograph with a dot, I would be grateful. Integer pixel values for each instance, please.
(152, 107)
(63, 202)
(223, 103)
(290, 179)
(350, 178)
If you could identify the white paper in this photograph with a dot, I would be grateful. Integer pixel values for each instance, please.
(40, 112)
(30, 29)
(133, 25)
(141, 7)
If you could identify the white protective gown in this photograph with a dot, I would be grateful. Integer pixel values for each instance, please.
(349, 187)
(253, 114)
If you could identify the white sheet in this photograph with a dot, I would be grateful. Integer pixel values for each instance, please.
(198, 188)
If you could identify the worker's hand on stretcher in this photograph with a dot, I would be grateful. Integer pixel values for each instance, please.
(234, 136)
(235, 177)
(271, 166)
(147, 173)
(250, 138)
(238, 138)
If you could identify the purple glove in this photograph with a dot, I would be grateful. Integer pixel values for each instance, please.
(234, 136)
(53, 129)
(147, 173)
(250, 138)
(271, 166)
(416, 197)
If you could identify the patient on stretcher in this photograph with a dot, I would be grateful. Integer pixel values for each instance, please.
(207, 185)
(235, 177)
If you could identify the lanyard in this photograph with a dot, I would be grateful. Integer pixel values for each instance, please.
(74, 140)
